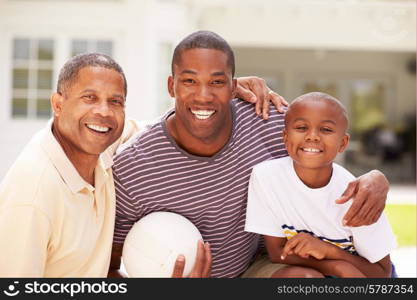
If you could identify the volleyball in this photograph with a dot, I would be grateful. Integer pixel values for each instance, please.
(154, 242)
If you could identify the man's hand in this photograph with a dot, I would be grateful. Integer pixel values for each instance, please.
(115, 262)
(305, 245)
(202, 265)
(254, 90)
(369, 194)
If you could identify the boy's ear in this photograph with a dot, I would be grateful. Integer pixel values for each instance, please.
(284, 135)
(171, 86)
(56, 103)
(345, 142)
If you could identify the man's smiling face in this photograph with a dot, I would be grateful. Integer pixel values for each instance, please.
(90, 112)
(203, 86)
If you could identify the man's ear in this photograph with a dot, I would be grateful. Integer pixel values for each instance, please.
(57, 101)
(345, 142)
(234, 88)
(171, 86)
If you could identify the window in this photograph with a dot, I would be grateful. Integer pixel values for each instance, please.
(32, 74)
(84, 46)
(368, 98)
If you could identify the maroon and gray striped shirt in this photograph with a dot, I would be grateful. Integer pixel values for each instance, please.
(155, 174)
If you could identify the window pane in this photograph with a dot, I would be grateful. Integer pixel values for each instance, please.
(21, 49)
(78, 47)
(44, 79)
(43, 108)
(367, 105)
(19, 107)
(46, 50)
(324, 86)
(20, 78)
(105, 47)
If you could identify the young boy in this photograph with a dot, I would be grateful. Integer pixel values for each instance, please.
(291, 200)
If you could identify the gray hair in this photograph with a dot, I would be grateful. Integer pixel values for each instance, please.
(69, 71)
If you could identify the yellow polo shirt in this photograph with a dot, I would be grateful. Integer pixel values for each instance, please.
(52, 222)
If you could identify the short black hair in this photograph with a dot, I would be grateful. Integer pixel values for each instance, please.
(69, 71)
(319, 96)
(204, 40)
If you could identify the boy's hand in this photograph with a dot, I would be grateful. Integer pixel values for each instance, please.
(306, 245)
(369, 193)
(254, 90)
(202, 265)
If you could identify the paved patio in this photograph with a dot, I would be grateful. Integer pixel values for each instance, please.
(404, 258)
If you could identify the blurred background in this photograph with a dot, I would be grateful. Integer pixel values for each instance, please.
(360, 51)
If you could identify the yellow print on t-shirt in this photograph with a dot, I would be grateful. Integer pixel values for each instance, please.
(345, 244)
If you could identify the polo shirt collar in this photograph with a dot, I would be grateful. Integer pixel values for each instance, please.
(65, 167)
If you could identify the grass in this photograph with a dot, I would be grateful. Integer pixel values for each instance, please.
(402, 218)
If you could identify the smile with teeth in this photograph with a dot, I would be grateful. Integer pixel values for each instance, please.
(98, 128)
(312, 150)
(203, 114)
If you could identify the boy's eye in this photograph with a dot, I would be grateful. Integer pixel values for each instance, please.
(301, 128)
(326, 129)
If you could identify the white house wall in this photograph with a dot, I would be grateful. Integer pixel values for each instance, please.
(331, 24)
(138, 27)
(134, 26)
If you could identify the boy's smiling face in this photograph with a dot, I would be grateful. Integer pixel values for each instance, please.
(315, 132)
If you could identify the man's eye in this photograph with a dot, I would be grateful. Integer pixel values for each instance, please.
(117, 102)
(88, 97)
(218, 82)
(188, 81)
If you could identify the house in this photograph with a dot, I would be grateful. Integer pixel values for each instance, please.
(362, 52)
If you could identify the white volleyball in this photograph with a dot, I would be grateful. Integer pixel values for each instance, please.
(154, 242)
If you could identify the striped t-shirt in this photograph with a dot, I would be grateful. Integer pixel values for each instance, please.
(155, 174)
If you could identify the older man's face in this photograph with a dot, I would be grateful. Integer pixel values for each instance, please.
(90, 115)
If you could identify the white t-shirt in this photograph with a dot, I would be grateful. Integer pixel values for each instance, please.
(281, 205)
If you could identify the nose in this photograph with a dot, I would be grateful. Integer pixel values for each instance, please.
(102, 108)
(204, 93)
(313, 135)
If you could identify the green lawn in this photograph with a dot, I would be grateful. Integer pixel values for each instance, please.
(403, 221)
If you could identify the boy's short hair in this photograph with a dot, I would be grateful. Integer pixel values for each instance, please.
(69, 71)
(319, 96)
(204, 40)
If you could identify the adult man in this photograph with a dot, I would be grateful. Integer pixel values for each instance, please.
(57, 201)
(197, 160)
